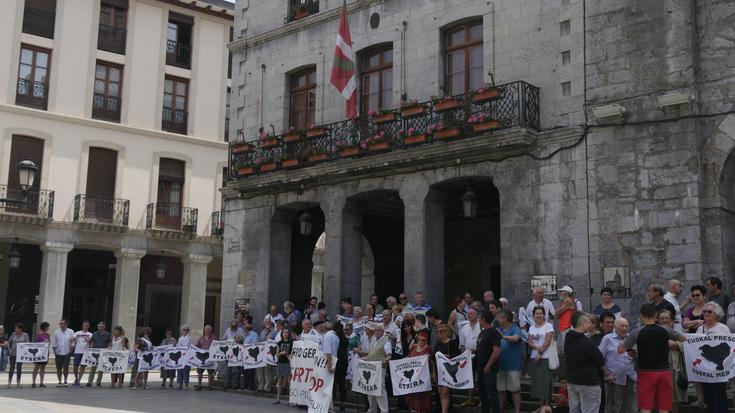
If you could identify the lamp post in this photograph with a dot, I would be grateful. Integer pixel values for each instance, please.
(469, 204)
(305, 223)
(14, 257)
(26, 176)
(161, 269)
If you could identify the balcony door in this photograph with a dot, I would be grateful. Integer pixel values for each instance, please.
(99, 202)
(22, 148)
(170, 193)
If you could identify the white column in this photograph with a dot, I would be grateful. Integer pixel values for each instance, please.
(53, 282)
(194, 292)
(127, 280)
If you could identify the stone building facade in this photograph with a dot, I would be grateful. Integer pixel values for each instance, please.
(625, 168)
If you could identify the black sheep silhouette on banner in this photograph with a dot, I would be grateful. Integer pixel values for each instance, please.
(33, 351)
(202, 356)
(253, 352)
(452, 369)
(148, 358)
(366, 375)
(716, 354)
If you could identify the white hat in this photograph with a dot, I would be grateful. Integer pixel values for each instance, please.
(503, 300)
(567, 289)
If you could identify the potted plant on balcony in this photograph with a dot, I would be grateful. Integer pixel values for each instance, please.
(292, 158)
(247, 169)
(300, 10)
(241, 147)
(267, 163)
(445, 129)
(412, 136)
(486, 92)
(318, 154)
(382, 115)
(316, 131)
(445, 103)
(346, 149)
(291, 135)
(481, 122)
(267, 140)
(377, 143)
(411, 108)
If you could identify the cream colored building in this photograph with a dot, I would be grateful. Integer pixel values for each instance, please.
(121, 104)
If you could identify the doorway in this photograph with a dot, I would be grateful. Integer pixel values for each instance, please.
(163, 310)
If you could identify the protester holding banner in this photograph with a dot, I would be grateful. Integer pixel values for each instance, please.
(251, 337)
(39, 368)
(182, 375)
(540, 339)
(419, 402)
(100, 339)
(449, 348)
(380, 350)
(265, 374)
(715, 394)
(142, 344)
(80, 340)
(119, 343)
(168, 340)
(62, 351)
(18, 336)
(204, 342)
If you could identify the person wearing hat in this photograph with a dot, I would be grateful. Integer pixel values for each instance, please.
(367, 339)
(567, 306)
(380, 350)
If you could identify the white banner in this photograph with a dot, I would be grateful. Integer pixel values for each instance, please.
(272, 350)
(218, 349)
(367, 377)
(113, 361)
(253, 356)
(710, 359)
(174, 358)
(199, 358)
(91, 356)
(234, 356)
(32, 352)
(149, 360)
(351, 360)
(311, 381)
(455, 373)
(410, 375)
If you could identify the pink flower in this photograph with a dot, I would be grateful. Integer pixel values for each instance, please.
(371, 112)
(411, 131)
(400, 131)
(313, 126)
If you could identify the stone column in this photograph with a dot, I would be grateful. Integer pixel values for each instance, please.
(194, 292)
(352, 217)
(332, 203)
(53, 281)
(127, 279)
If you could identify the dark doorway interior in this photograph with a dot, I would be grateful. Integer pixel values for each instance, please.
(90, 283)
(159, 299)
(22, 295)
(302, 251)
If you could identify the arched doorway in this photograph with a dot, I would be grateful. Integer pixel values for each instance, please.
(367, 272)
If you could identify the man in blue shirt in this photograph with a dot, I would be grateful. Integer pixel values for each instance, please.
(511, 359)
(251, 337)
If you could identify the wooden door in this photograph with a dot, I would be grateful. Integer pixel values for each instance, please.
(100, 191)
(170, 193)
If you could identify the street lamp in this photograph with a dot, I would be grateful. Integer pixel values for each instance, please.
(305, 223)
(161, 269)
(26, 176)
(14, 257)
(469, 204)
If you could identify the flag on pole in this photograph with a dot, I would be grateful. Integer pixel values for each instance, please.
(343, 68)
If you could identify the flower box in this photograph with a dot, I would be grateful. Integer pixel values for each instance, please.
(246, 170)
(318, 157)
(348, 152)
(414, 139)
(486, 126)
(380, 146)
(447, 104)
(289, 163)
(316, 132)
(242, 148)
(412, 111)
(268, 143)
(267, 167)
(447, 133)
(485, 95)
(300, 14)
(388, 117)
(291, 137)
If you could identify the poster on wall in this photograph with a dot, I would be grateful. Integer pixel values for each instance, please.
(618, 280)
(547, 283)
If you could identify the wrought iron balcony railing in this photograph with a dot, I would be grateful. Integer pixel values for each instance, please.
(33, 94)
(218, 223)
(302, 8)
(98, 210)
(39, 21)
(178, 54)
(111, 38)
(505, 106)
(172, 217)
(174, 120)
(106, 107)
(38, 202)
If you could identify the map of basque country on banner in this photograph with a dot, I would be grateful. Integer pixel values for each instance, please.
(113, 361)
(32, 352)
(311, 381)
(410, 375)
(455, 373)
(710, 359)
(367, 377)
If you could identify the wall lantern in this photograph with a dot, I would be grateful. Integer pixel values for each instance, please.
(27, 174)
(469, 204)
(305, 223)
(161, 269)
(14, 257)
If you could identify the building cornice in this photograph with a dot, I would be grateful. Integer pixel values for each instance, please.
(299, 25)
(224, 12)
(93, 123)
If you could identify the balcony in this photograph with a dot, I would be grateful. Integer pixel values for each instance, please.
(413, 128)
(106, 108)
(174, 120)
(171, 217)
(302, 8)
(32, 94)
(38, 206)
(111, 39)
(218, 223)
(39, 22)
(178, 54)
(101, 211)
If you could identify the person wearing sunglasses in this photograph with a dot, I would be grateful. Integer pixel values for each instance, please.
(715, 394)
(694, 318)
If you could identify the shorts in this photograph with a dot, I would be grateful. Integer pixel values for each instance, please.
(78, 359)
(62, 361)
(283, 369)
(655, 388)
(209, 371)
(509, 380)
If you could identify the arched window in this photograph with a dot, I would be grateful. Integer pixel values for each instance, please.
(463, 69)
(376, 71)
(303, 98)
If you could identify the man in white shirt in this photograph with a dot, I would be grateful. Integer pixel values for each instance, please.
(308, 333)
(367, 339)
(80, 341)
(233, 331)
(390, 328)
(274, 315)
(672, 296)
(62, 350)
(539, 301)
(468, 335)
(380, 350)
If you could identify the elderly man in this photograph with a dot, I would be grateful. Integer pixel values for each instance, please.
(420, 303)
(672, 296)
(390, 328)
(366, 339)
(487, 297)
(390, 302)
(619, 371)
(538, 301)
(715, 293)
(584, 362)
(274, 315)
(293, 316)
(376, 305)
(655, 294)
(308, 333)
(235, 330)
(380, 350)
(468, 335)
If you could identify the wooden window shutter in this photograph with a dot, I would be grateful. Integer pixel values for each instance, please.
(22, 148)
(101, 173)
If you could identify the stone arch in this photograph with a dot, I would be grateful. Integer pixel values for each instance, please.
(367, 265)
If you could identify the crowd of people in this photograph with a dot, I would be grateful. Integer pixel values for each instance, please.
(601, 363)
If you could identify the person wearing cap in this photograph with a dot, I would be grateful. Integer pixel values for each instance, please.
(567, 306)
(366, 340)
(380, 350)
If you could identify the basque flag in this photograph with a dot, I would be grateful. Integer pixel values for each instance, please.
(343, 68)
